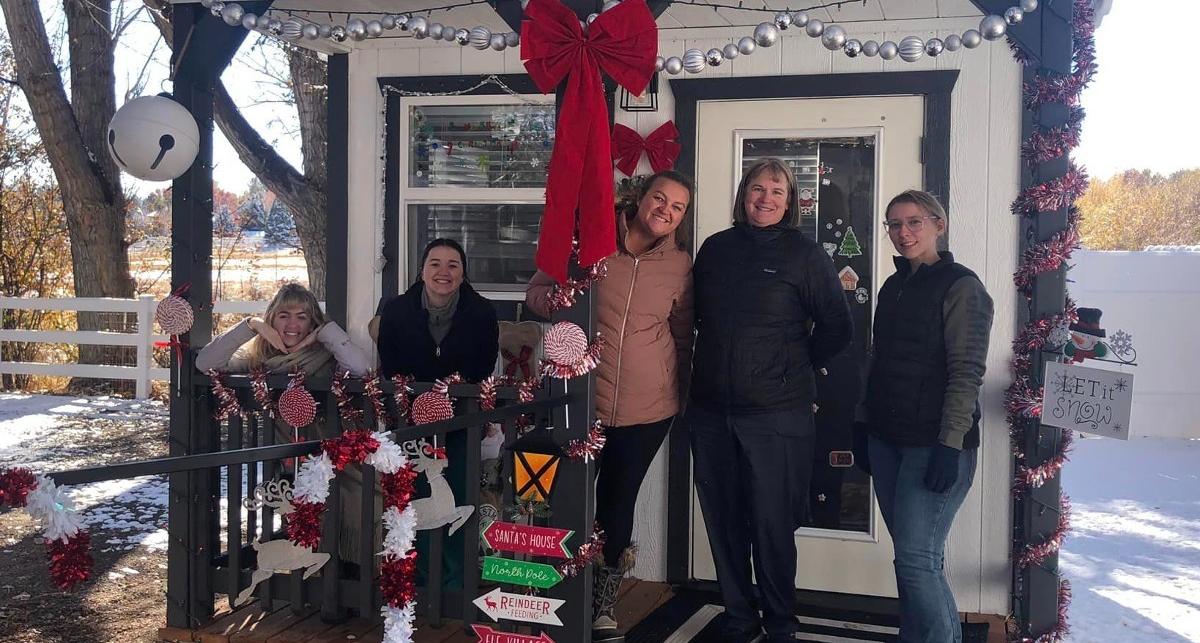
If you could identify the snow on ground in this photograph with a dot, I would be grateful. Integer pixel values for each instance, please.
(1133, 552)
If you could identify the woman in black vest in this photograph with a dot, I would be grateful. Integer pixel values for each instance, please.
(770, 312)
(921, 411)
(438, 327)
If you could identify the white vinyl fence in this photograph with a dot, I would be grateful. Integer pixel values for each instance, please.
(142, 338)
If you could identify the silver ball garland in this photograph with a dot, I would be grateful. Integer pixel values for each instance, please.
(337, 33)
(402, 21)
(1013, 16)
(591, 18)
(659, 63)
(462, 36)
(870, 49)
(310, 32)
(911, 49)
(993, 27)
(448, 33)
(971, 38)
(888, 50)
(953, 43)
(374, 28)
(783, 20)
(356, 29)
(852, 48)
(206, 3)
(481, 38)
(512, 39)
(833, 38)
(275, 27)
(388, 22)
(419, 26)
(814, 28)
(730, 51)
(216, 8)
(673, 65)
(496, 42)
(611, 4)
(714, 57)
(249, 21)
(1029, 5)
(325, 31)
(232, 14)
(934, 47)
(766, 34)
(799, 19)
(262, 23)
(746, 45)
(292, 29)
(693, 61)
(435, 30)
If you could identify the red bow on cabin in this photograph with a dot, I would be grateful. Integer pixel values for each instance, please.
(623, 42)
(521, 361)
(661, 147)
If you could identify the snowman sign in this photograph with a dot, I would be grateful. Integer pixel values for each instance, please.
(153, 138)
(1086, 336)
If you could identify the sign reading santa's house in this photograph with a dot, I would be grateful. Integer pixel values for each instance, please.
(1087, 399)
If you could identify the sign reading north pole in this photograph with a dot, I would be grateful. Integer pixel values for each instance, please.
(527, 539)
(1086, 399)
(519, 572)
(488, 635)
(520, 607)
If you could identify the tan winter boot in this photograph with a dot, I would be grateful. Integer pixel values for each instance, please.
(606, 584)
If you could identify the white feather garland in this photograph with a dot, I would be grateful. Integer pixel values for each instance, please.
(312, 480)
(398, 623)
(401, 531)
(389, 457)
(53, 508)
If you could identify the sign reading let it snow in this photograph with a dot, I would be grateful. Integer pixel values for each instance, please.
(1087, 399)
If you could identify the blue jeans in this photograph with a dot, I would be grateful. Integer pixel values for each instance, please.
(919, 521)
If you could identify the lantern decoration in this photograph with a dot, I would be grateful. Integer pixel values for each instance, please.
(153, 138)
(296, 405)
(535, 465)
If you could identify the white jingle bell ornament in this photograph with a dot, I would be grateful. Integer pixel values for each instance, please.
(153, 138)
(431, 406)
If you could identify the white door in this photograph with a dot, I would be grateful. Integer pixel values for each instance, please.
(850, 156)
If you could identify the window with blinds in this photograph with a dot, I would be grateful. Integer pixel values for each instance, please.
(476, 173)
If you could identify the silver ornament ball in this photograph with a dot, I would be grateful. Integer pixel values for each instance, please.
(693, 61)
(993, 27)
(833, 38)
(512, 39)
(714, 57)
(673, 65)
(799, 19)
(462, 36)
(746, 46)
(325, 31)
(232, 14)
(852, 48)
(448, 33)
(888, 50)
(402, 21)
(730, 51)
(611, 4)
(1013, 16)
(275, 27)
(934, 47)
(292, 29)
(953, 43)
(783, 20)
(496, 42)
(374, 28)
(310, 32)
(659, 63)
(249, 21)
(971, 39)
(216, 8)
(1029, 5)
(388, 22)
(911, 49)
(435, 30)
(262, 23)
(419, 26)
(591, 18)
(870, 49)
(206, 3)
(814, 28)
(481, 38)
(337, 33)
(356, 29)
(766, 34)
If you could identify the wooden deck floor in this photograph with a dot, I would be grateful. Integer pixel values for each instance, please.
(255, 624)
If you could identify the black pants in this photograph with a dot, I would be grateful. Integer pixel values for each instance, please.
(622, 465)
(752, 474)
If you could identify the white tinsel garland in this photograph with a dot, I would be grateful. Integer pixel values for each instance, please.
(398, 623)
(389, 457)
(313, 478)
(401, 531)
(55, 509)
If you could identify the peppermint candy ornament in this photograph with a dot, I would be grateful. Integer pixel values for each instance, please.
(174, 315)
(296, 406)
(565, 343)
(431, 406)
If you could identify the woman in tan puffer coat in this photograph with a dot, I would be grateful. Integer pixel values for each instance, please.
(644, 313)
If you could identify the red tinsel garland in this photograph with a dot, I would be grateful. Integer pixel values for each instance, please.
(1033, 477)
(398, 487)
(304, 523)
(227, 404)
(563, 296)
(262, 392)
(401, 393)
(588, 553)
(443, 385)
(374, 393)
(15, 485)
(1037, 553)
(1049, 144)
(588, 448)
(1062, 628)
(589, 361)
(1052, 195)
(1035, 333)
(70, 559)
(351, 415)
(396, 579)
(1022, 401)
(351, 446)
(1045, 257)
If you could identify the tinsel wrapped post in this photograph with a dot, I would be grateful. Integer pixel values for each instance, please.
(563, 296)
(70, 559)
(227, 404)
(1037, 553)
(304, 524)
(589, 448)
(588, 553)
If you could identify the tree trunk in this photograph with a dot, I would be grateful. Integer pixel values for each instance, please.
(74, 141)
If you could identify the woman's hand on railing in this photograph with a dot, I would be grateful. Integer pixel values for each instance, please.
(264, 330)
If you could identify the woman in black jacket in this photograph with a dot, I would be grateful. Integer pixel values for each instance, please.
(933, 319)
(438, 327)
(770, 312)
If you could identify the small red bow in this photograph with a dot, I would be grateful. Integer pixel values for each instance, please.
(661, 147)
(622, 41)
(512, 362)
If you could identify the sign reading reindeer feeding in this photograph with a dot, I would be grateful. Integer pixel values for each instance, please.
(1087, 399)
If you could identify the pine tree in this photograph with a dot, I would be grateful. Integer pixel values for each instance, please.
(850, 247)
(280, 228)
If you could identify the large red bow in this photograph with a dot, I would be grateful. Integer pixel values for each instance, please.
(661, 147)
(513, 362)
(622, 41)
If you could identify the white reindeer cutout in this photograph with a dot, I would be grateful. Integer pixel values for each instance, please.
(278, 556)
(438, 507)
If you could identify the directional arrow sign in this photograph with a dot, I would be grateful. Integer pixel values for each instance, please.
(527, 539)
(519, 572)
(520, 607)
(488, 635)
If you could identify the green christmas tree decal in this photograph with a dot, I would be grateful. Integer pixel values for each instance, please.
(850, 247)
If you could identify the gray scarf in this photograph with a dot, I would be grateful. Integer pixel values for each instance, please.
(440, 318)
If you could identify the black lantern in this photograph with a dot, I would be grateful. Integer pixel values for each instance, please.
(535, 464)
(647, 102)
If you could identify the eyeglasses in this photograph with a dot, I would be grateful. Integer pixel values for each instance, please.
(915, 224)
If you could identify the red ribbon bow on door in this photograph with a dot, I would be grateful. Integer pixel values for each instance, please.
(623, 42)
(521, 361)
(661, 147)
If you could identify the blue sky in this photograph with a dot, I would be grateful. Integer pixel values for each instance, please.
(1139, 109)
